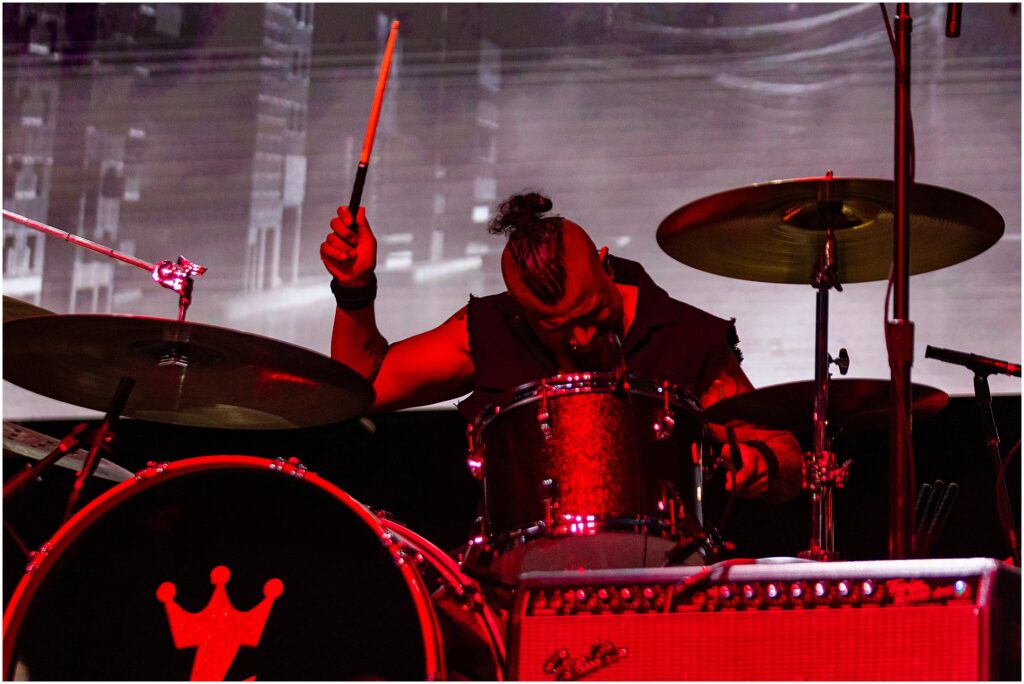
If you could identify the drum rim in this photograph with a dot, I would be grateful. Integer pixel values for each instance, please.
(451, 571)
(68, 533)
(502, 542)
(585, 383)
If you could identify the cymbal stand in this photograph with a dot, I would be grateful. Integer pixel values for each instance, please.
(821, 474)
(99, 440)
(174, 275)
(31, 473)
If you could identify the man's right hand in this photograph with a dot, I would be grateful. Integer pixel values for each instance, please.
(350, 251)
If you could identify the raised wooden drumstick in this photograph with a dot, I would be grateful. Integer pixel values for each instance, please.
(371, 127)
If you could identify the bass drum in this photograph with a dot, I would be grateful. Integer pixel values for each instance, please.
(235, 567)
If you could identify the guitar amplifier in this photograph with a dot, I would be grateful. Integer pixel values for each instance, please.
(956, 619)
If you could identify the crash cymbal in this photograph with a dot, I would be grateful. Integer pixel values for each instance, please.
(185, 373)
(15, 309)
(853, 404)
(773, 232)
(20, 441)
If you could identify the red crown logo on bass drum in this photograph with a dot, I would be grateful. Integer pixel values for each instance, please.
(218, 630)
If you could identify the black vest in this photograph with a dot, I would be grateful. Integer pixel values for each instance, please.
(668, 340)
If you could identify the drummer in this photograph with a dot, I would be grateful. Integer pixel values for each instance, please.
(563, 298)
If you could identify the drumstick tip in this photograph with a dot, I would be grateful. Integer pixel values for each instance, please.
(394, 25)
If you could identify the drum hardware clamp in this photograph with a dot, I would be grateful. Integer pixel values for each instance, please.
(152, 469)
(292, 466)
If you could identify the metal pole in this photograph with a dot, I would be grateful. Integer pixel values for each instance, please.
(900, 331)
(80, 241)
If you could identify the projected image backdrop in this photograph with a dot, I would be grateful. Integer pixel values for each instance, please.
(230, 133)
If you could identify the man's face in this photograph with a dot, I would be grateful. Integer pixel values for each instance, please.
(574, 327)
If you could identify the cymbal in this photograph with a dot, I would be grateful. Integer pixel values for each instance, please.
(853, 404)
(20, 441)
(185, 373)
(773, 232)
(15, 309)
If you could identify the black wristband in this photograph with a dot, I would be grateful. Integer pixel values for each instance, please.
(351, 298)
(769, 457)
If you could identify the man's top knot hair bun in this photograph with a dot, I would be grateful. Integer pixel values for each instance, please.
(521, 212)
(539, 202)
(534, 241)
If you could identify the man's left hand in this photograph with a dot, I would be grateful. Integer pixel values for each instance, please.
(751, 479)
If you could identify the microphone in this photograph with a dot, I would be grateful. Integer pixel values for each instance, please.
(953, 11)
(602, 354)
(981, 365)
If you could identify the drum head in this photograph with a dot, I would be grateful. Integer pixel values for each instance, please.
(346, 608)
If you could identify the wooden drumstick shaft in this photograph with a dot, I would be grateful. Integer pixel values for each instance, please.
(734, 448)
(371, 127)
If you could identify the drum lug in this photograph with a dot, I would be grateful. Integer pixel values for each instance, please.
(152, 469)
(292, 466)
(667, 419)
(474, 456)
(543, 415)
(550, 496)
(36, 558)
(478, 530)
(672, 504)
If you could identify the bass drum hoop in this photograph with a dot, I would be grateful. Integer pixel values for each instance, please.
(453, 577)
(52, 551)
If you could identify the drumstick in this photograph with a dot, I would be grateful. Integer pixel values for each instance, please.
(734, 448)
(371, 127)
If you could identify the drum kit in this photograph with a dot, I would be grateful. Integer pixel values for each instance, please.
(140, 576)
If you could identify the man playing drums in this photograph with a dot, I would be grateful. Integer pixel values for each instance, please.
(566, 308)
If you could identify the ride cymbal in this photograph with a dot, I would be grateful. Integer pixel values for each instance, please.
(773, 232)
(853, 404)
(185, 373)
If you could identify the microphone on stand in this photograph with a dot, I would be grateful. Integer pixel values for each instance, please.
(981, 365)
(953, 12)
(602, 354)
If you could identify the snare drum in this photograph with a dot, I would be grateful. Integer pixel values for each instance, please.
(231, 567)
(580, 455)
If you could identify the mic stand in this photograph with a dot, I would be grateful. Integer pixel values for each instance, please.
(983, 398)
(100, 439)
(900, 331)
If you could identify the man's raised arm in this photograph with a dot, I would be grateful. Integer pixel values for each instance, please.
(424, 369)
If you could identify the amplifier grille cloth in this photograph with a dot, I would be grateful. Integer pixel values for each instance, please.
(926, 642)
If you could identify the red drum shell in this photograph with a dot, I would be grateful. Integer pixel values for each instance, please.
(602, 457)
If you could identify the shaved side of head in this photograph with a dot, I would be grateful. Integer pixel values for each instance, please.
(580, 269)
